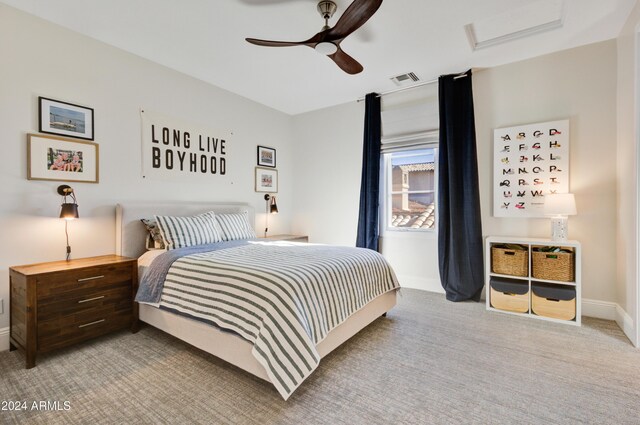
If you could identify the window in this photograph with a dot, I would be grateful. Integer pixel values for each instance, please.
(409, 148)
(410, 189)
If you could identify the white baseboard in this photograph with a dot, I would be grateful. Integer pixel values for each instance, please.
(4, 339)
(599, 309)
(610, 311)
(431, 285)
(626, 324)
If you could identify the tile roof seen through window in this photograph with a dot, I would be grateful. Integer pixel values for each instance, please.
(423, 166)
(415, 220)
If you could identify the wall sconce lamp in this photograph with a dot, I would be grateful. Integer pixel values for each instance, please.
(68, 210)
(559, 206)
(271, 208)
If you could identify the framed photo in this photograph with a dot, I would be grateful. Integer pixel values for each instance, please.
(57, 158)
(266, 157)
(65, 119)
(266, 180)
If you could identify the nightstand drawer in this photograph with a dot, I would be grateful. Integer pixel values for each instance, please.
(82, 280)
(72, 302)
(81, 326)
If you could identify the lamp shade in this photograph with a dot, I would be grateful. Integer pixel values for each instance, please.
(560, 204)
(274, 207)
(69, 211)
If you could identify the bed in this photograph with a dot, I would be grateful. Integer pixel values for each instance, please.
(228, 346)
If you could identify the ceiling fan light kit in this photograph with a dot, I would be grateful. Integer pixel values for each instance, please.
(328, 40)
(326, 48)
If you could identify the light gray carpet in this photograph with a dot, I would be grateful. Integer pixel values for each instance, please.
(429, 361)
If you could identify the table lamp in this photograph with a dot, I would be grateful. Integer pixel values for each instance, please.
(559, 206)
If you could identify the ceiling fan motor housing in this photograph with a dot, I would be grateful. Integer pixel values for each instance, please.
(327, 8)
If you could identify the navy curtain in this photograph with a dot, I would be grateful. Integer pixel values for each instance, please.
(370, 182)
(459, 225)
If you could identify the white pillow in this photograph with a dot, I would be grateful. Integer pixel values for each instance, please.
(180, 232)
(235, 226)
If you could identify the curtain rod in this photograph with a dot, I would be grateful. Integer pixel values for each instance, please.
(415, 86)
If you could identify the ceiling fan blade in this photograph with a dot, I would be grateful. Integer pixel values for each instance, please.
(346, 62)
(353, 18)
(271, 43)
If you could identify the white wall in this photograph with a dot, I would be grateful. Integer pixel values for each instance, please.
(327, 168)
(40, 59)
(627, 176)
(414, 258)
(579, 84)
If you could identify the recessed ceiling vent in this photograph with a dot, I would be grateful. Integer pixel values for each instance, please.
(405, 79)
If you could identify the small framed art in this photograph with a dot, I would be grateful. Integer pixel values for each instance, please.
(266, 180)
(65, 119)
(60, 159)
(266, 157)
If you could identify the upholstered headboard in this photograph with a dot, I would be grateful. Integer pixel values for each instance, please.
(131, 233)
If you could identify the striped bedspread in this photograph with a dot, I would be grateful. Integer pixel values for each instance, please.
(283, 297)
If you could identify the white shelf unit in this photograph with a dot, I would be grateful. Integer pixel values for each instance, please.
(530, 243)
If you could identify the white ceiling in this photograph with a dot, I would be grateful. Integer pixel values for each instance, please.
(205, 39)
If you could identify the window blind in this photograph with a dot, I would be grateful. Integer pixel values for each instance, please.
(410, 119)
(428, 139)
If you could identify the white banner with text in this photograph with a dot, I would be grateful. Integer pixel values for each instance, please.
(173, 149)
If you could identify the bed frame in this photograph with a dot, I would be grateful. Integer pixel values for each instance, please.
(130, 242)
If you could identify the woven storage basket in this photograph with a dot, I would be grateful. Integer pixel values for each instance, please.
(553, 266)
(512, 262)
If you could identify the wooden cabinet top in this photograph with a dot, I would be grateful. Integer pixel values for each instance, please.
(284, 237)
(79, 263)
(532, 241)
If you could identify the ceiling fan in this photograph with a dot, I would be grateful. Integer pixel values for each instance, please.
(328, 40)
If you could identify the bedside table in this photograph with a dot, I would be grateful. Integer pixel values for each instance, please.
(61, 303)
(288, 238)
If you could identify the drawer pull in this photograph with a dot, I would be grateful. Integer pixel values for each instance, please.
(92, 323)
(90, 278)
(90, 299)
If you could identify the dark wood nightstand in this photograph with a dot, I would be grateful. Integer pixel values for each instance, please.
(61, 303)
(288, 238)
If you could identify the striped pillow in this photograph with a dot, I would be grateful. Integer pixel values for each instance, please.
(180, 232)
(235, 226)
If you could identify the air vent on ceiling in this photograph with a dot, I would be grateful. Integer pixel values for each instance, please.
(405, 79)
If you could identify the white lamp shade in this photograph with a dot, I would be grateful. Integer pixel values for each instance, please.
(560, 204)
